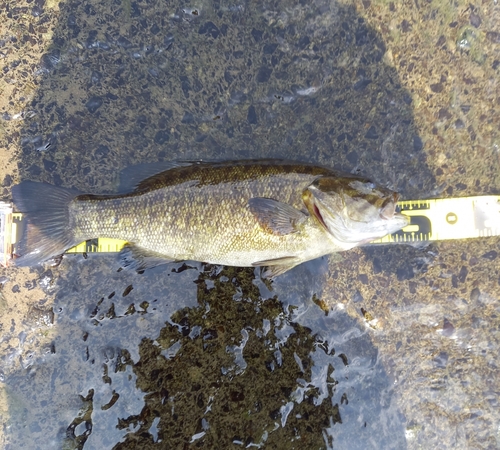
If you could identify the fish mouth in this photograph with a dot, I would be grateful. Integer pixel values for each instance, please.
(388, 209)
(313, 209)
(318, 215)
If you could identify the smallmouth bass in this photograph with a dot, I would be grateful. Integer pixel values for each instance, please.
(269, 213)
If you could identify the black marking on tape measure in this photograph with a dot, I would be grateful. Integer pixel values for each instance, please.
(424, 228)
(91, 246)
(412, 206)
(22, 226)
(451, 218)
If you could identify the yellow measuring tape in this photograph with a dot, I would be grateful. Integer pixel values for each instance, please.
(448, 218)
(430, 220)
(101, 245)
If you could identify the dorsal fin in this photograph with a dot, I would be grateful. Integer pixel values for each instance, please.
(133, 177)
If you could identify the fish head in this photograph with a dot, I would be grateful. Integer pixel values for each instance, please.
(353, 209)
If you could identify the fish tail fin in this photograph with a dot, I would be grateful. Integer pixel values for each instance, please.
(48, 232)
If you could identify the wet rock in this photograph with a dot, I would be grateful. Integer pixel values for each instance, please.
(475, 20)
(93, 104)
(448, 328)
(472, 133)
(124, 42)
(209, 28)
(353, 158)
(304, 42)
(441, 41)
(491, 255)
(264, 74)
(405, 26)
(135, 11)
(437, 87)
(418, 144)
(463, 274)
(361, 84)
(185, 85)
(71, 21)
(161, 137)
(7, 181)
(49, 166)
(36, 11)
(475, 294)
(363, 278)
(34, 171)
(275, 414)
(101, 152)
(153, 72)
(444, 114)
(257, 35)
(467, 39)
(252, 115)
(269, 48)
(357, 297)
(371, 133)
(155, 29)
(187, 118)
(91, 39)
(95, 77)
(41, 316)
(493, 36)
(51, 59)
(362, 36)
(141, 121)
(377, 267)
(441, 360)
(404, 273)
(237, 396)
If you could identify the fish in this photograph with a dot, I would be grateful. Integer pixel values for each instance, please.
(273, 214)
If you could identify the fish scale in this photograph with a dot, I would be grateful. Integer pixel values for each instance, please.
(198, 212)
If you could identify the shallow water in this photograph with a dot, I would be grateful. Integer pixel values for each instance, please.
(214, 359)
(391, 347)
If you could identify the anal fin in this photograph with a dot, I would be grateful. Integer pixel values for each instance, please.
(134, 257)
(276, 267)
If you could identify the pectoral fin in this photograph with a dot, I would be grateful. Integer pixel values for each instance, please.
(276, 217)
(276, 266)
(137, 258)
